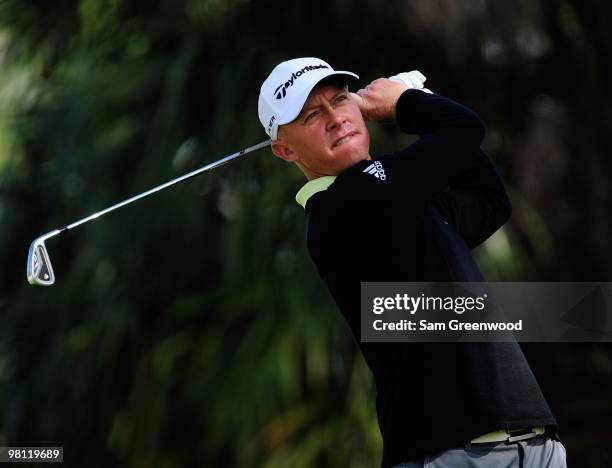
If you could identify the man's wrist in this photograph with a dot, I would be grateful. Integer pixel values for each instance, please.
(404, 108)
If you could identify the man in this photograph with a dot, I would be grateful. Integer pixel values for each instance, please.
(412, 215)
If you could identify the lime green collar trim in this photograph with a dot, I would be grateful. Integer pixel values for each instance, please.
(313, 186)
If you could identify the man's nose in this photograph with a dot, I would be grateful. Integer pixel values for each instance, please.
(334, 119)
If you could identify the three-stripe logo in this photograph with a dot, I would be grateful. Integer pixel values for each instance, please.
(377, 170)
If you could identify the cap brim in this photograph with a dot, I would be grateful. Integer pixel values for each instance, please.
(299, 103)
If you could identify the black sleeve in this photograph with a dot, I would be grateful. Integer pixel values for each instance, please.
(448, 132)
(448, 156)
(476, 204)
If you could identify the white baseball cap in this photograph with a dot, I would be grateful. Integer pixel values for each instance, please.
(286, 89)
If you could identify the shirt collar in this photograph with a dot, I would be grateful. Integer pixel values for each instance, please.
(313, 186)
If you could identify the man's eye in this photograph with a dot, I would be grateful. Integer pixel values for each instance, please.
(310, 116)
(342, 97)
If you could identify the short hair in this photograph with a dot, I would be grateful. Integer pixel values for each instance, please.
(336, 80)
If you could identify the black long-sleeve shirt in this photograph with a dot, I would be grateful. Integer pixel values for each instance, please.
(414, 216)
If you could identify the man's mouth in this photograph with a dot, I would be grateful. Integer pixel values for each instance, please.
(344, 139)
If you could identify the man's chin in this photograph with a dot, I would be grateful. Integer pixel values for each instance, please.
(351, 154)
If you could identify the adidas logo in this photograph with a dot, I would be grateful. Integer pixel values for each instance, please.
(377, 170)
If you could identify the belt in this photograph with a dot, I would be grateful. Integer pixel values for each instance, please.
(509, 435)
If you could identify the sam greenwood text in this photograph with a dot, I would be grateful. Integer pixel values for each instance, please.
(451, 325)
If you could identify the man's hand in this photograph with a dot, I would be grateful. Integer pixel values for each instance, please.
(377, 101)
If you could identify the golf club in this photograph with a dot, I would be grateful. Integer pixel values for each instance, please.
(39, 269)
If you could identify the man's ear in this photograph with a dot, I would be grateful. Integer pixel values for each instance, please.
(283, 150)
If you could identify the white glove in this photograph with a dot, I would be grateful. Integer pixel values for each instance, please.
(412, 79)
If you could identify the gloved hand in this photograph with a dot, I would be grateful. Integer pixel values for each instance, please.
(412, 79)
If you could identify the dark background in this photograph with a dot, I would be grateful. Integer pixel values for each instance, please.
(191, 329)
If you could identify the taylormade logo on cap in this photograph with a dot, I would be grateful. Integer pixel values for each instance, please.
(286, 89)
(281, 91)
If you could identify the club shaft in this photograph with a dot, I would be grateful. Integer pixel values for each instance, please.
(170, 183)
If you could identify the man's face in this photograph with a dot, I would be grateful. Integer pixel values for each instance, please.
(328, 136)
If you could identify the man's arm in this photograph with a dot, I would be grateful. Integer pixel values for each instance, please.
(447, 155)
(477, 203)
(449, 134)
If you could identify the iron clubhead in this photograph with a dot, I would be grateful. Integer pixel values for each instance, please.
(39, 270)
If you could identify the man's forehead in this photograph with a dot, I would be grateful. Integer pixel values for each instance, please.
(323, 91)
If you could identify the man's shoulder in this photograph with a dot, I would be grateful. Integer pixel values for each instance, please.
(328, 191)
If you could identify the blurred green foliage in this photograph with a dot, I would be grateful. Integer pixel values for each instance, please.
(192, 329)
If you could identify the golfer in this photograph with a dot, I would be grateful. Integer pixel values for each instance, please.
(412, 215)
